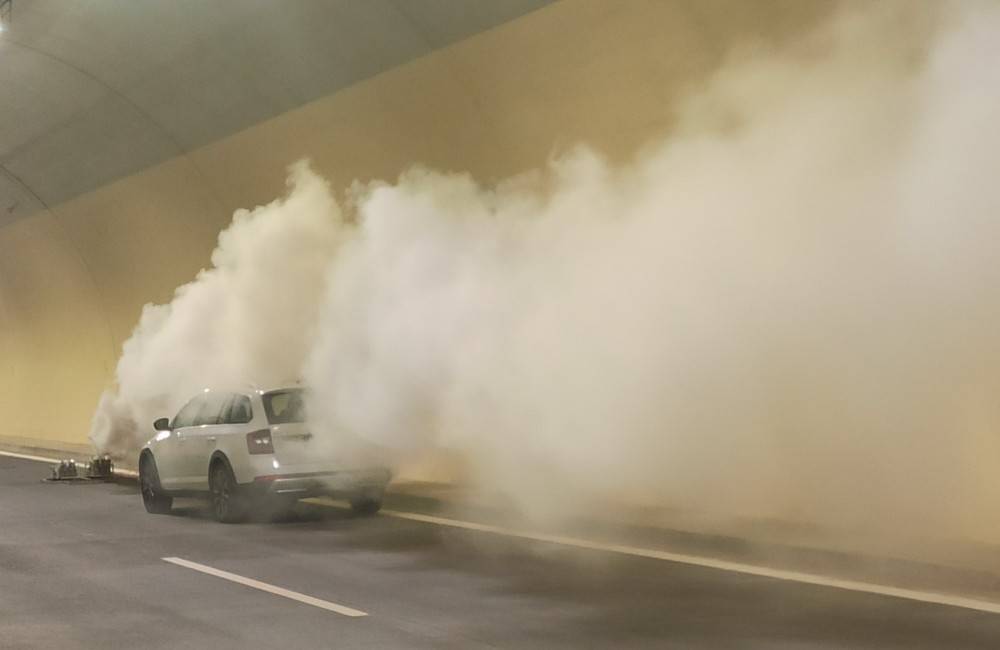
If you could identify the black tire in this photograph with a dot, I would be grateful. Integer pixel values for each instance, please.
(366, 505)
(153, 498)
(229, 504)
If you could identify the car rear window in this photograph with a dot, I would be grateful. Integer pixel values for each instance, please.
(285, 406)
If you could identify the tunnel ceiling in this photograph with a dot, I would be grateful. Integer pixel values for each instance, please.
(93, 91)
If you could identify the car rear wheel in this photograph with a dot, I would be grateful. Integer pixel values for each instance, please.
(153, 498)
(228, 501)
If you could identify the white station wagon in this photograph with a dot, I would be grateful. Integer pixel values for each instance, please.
(247, 450)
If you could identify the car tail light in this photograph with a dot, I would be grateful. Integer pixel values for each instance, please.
(259, 442)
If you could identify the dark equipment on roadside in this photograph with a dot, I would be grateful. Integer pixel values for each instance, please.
(100, 468)
(65, 471)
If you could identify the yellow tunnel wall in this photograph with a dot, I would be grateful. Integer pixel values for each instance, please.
(74, 278)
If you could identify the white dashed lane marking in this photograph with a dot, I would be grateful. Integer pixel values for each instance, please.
(263, 586)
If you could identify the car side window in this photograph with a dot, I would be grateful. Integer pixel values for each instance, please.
(211, 408)
(186, 416)
(239, 410)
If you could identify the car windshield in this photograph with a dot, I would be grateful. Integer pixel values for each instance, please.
(285, 406)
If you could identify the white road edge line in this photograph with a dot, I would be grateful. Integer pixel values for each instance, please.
(722, 565)
(55, 461)
(40, 459)
(263, 586)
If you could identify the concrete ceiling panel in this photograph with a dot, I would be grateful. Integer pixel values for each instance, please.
(16, 200)
(102, 142)
(37, 94)
(93, 91)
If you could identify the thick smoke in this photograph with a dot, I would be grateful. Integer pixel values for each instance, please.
(789, 307)
(248, 319)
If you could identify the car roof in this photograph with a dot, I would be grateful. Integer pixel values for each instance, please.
(251, 388)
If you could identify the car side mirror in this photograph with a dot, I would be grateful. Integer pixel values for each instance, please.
(163, 424)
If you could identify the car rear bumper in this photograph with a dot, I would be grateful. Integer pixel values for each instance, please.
(334, 483)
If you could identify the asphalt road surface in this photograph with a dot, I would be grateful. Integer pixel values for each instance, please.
(82, 566)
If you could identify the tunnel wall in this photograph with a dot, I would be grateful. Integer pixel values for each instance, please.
(74, 277)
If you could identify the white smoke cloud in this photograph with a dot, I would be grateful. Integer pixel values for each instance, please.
(789, 307)
(248, 319)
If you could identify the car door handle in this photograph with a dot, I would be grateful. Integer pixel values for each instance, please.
(210, 438)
